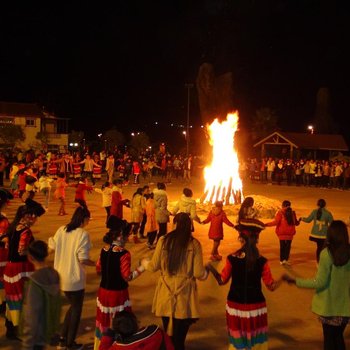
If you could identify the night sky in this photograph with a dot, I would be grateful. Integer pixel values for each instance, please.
(126, 64)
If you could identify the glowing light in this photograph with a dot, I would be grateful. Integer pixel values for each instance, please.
(222, 181)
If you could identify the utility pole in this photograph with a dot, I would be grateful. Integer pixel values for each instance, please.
(189, 86)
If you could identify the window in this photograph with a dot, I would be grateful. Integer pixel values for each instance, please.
(7, 120)
(30, 121)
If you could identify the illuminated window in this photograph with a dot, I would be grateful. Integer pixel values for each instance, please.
(6, 120)
(30, 121)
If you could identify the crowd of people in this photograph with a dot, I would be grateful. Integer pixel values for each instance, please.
(303, 172)
(32, 314)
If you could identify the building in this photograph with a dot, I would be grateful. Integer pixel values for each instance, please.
(33, 120)
(295, 145)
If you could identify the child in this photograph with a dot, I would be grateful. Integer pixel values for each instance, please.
(216, 218)
(114, 266)
(126, 334)
(106, 191)
(285, 222)
(246, 314)
(45, 188)
(151, 226)
(247, 211)
(117, 200)
(60, 193)
(81, 188)
(42, 300)
(137, 206)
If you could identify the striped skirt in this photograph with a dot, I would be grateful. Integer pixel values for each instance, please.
(247, 325)
(15, 274)
(109, 302)
(3, 261)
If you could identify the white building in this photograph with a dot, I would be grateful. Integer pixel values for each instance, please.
(32, 120)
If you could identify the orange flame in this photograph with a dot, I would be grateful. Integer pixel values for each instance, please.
(222, 181)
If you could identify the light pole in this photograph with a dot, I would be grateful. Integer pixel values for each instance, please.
(189, 86)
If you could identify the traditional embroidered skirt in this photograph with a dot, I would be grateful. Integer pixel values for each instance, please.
(3, 261)
(247, 325)
(109, 302)
(15, 274)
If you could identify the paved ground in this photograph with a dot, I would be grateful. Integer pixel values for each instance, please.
(291, 323)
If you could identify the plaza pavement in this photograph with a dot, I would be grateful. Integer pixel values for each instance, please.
(292, 325)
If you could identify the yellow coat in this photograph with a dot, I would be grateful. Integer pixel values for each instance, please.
(176, 295)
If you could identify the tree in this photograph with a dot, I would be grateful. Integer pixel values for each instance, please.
(139, 143)
(75, 136)
(43, 137)
(11, 134)
(113, 138)
(264, 123)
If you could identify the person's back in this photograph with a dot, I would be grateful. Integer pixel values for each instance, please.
(69, 250)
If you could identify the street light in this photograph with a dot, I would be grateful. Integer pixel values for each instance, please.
(189, 86)
(311, 128)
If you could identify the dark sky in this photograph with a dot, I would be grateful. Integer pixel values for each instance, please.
(126, 65)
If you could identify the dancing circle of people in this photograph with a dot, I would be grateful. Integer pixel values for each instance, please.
(30, 289)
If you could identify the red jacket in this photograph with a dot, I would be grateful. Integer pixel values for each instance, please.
(81, 188)
(148, 338)
(117, 204)
(216, 230)
(283, 230)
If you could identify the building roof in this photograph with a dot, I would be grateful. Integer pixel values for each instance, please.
(15, 109)
(308, 141)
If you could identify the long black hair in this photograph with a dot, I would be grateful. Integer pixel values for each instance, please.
(337, 242)
(321, 203)
(78, 218)
(288, 212)
(249, 248)
(247, 203)
(176, 242)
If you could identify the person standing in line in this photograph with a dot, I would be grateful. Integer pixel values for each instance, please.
(151, 222)
(60, 193)
(187, 205)
(89, 164)
(285, 222)
(42, 300)
(5, 197)
(161, 205)
(179, 258)
(145, 196)
(110, 168)
(247, 210)
(80, 192)
(18, 267)
(45, 188)
(114, 266)
(321, 218)
(331, 301)
(246, 312)
(217, 217)
(71, 244)
(106, 191)
(117, 199)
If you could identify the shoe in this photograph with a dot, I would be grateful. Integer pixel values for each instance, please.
(212, 258)
(218, 257)
(286, 262)
(75, 346)
(282, 262)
